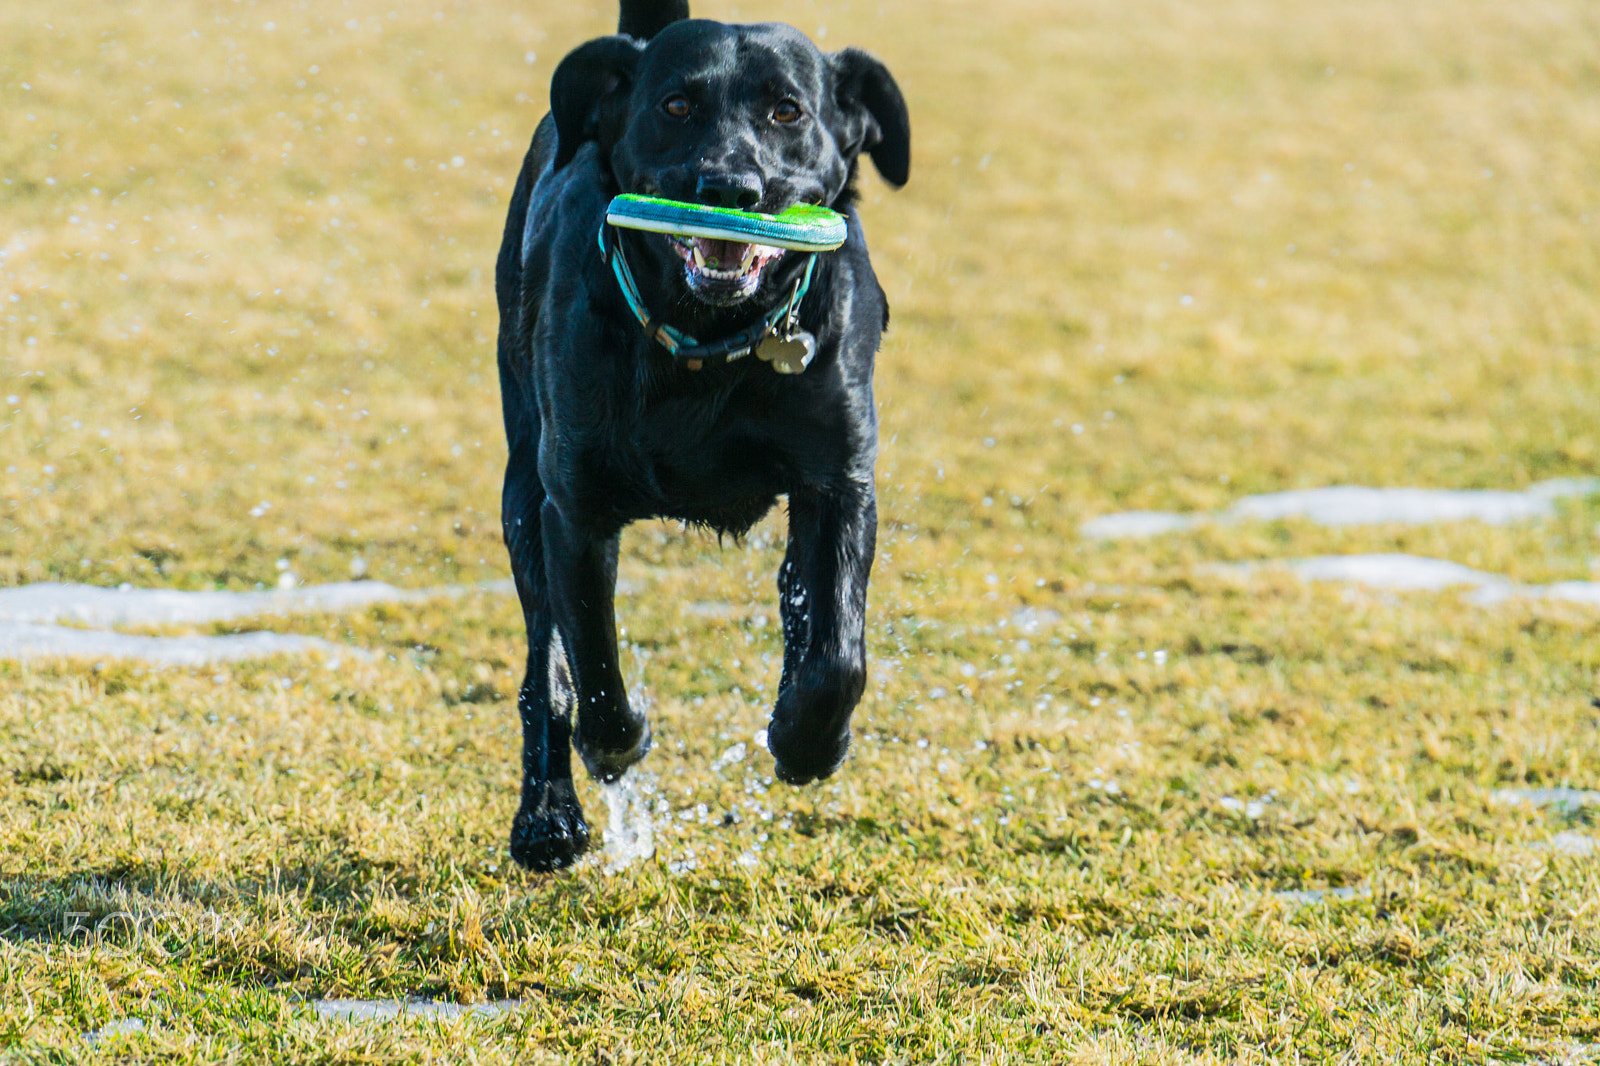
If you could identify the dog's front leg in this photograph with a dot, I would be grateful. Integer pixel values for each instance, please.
(549, 831)
(822, 594)
(610, 736)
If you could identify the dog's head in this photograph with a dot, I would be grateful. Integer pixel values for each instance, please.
(753, 117)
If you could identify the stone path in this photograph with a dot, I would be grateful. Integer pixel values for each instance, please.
(1415, 573)
(30, 618)
(371, 1010)
(1353, 505)
(41, 642)
(81, 621)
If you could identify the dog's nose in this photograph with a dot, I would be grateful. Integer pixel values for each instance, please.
(742, 191)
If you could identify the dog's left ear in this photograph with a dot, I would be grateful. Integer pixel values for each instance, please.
(585, 90)
(875, 114)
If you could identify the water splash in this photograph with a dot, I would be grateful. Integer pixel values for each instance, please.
(630, 834)
(732, 756)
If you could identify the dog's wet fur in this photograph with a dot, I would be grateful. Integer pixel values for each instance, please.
(605, 427)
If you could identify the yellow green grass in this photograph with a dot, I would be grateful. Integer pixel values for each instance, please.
(1245, 246)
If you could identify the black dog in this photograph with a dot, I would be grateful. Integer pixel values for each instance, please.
(611, 418)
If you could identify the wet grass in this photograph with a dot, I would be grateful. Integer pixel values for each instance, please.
(1155, 257)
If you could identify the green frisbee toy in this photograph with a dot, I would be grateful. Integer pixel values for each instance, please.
(802, 228)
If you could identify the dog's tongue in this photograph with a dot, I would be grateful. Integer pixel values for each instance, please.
(722, 255)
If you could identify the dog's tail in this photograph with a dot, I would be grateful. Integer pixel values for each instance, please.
(644, 19)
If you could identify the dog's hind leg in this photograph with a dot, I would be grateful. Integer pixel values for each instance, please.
(610, 736)
(822, 596)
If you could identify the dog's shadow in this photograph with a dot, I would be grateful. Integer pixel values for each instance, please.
(264, 928)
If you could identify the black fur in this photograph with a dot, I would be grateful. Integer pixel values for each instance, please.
(605, 428)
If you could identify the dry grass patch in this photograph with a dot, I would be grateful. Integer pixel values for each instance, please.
(1153, 258)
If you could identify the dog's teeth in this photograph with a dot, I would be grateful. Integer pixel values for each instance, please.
(699, 256)
(749, 257)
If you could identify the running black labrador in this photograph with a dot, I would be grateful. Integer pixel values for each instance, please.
(621, 406)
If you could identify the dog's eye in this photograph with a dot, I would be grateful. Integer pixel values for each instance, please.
(677, 105)
(786, 112)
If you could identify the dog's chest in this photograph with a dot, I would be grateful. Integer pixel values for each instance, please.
(699, 455)
(718, 463)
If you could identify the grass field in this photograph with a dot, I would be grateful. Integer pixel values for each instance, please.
(1152, 256)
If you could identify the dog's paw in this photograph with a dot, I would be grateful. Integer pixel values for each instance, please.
(809, 735)
(549, 832)
(801, 758)
(609, 760)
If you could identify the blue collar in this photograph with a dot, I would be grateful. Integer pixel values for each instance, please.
(784, 321)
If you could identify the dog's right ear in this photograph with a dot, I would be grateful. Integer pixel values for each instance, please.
(875, 114)
(646, 18)
(585, 89)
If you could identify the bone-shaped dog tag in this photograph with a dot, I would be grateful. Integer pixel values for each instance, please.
(788, 355)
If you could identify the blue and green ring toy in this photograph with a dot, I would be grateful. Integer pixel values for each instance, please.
(802, 228)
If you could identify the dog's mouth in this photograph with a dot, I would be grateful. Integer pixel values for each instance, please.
(721, 271)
